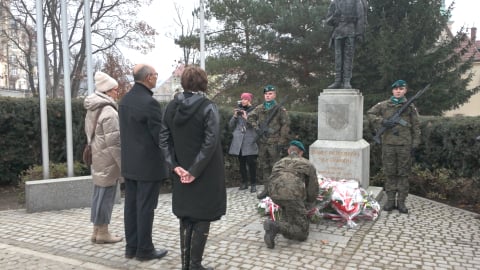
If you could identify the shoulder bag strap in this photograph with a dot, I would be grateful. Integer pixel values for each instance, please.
(96, 121)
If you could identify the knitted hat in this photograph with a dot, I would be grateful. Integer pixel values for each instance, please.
(103, 82)
(247, 96)
(268, 88)
(399, 83)
(298, 144)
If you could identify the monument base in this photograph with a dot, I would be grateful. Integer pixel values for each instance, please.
(342, 160)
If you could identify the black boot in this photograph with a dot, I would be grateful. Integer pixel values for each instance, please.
(243, 172)
(402, 208)
(402, 196)
(243, 186)
(185, 243)
(263, 194)
(199, 239)
(252, 168)
(337, 84)
(390, 205)
(271, 230)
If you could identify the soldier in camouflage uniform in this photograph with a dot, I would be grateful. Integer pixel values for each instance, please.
(293, 186)
(398, 144)
(276, 133)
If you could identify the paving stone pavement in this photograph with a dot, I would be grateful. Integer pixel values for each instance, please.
(431, 236)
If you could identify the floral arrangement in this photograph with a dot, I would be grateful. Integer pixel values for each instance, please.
(266, 207)
(343, 200)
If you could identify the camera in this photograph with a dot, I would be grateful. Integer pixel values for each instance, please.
(239, 108)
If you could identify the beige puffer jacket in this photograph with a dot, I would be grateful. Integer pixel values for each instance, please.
(106, 143)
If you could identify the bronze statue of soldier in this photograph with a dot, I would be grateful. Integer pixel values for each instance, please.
(349, 19)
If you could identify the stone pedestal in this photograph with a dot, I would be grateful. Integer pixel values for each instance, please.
(340, 151)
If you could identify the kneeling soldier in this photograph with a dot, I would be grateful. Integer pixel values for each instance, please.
(292, 185)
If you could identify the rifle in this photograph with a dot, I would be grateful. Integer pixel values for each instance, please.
(396, 116)
(263, 127)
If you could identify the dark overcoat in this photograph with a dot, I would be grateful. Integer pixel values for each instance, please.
(190, 138)
(140, 117)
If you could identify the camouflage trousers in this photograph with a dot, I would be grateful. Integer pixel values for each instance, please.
(268, 154)
(293, 222)
(397, 166)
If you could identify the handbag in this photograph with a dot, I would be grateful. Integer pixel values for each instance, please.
(87, 150)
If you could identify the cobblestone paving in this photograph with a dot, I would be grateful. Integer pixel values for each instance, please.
(431, 236)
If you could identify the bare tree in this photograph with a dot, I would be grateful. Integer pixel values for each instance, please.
(188, 39)
(17, 34)
(118, 68)
(113, 22)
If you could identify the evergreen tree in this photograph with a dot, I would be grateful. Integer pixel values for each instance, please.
(281, 42)
(404, 41)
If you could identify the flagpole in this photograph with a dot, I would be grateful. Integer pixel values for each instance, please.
(42, 89)
(202, 35)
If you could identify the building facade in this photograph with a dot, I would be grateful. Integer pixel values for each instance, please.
(472, 107)
(14, 79)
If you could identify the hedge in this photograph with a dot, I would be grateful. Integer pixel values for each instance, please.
(446, 142)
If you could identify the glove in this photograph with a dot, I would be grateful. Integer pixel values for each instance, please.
(388, 123)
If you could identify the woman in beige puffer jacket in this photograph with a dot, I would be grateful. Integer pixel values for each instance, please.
(105, 154)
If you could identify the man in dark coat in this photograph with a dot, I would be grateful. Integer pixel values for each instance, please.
(190, 142)
(143, 166)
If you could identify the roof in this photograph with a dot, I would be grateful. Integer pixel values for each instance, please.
(471, 51)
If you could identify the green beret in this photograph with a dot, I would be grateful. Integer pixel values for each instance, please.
(399, 83)
(298, 144)
(268, 88)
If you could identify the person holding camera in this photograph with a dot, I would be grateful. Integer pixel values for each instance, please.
(243, 143)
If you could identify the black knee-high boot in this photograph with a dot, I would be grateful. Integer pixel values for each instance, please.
(252, 169)
(243, 171)
(199, 239)
(185, 242)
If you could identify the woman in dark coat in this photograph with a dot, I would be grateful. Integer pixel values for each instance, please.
(190, 142)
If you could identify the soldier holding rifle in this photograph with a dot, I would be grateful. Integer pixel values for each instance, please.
(270, 121)
(399, 130)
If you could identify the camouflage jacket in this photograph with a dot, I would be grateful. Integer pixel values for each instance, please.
(293, 178)
(278, 128)
(406, 133)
